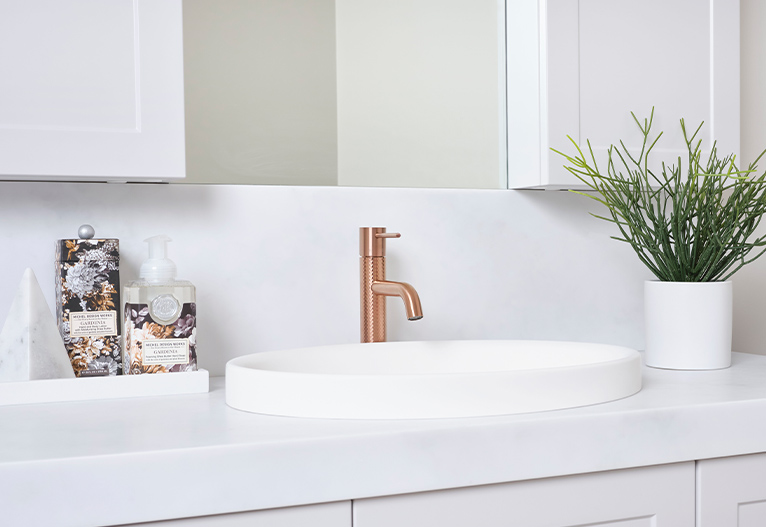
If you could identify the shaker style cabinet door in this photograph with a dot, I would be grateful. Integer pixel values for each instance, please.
(91, 90)
(732, 491)
(659, 496)
(337, 514)
(579, 67)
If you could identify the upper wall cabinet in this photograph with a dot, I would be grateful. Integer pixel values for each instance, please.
(91, 90)
(579, 67)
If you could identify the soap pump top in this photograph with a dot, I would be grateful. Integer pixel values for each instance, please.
(158, 267)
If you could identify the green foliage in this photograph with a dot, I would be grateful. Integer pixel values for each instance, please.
(684, 229)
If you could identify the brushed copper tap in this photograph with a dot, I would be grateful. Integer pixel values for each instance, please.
(375, 288)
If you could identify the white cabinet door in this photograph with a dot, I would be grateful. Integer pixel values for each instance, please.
(601, 59)
(660, 496)
(336, 514)
(732, 491)
(91, 90)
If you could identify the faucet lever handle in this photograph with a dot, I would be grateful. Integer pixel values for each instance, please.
(372, 240)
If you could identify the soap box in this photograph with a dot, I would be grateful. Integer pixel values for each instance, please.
(87, 299)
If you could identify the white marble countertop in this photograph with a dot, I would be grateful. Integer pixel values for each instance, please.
(133, 460)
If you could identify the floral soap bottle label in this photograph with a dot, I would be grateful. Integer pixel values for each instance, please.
(152, 346)
(165, 351)
(93, 324)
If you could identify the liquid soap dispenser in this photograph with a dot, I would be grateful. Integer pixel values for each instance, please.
(160, 317)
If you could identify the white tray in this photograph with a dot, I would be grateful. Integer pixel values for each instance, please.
(84, 389)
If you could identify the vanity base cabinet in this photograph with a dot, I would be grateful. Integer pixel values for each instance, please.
(337, 514)
(658, 496)
(732, 491)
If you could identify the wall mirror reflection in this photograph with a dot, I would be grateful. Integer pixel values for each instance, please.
(404, 93)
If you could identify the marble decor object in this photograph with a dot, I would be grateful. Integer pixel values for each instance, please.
(30, 344)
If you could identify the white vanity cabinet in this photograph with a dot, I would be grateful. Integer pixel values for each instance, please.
(579, 67)
(337, 514)
(91, 90)
(732, 491)
(658, 496)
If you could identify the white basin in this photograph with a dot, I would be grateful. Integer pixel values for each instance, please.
(414, 380)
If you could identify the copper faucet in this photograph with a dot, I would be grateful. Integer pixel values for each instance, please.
(375, 288)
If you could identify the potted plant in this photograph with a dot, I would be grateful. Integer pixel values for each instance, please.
(692, 228)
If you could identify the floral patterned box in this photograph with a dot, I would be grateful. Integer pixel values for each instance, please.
(87, 299)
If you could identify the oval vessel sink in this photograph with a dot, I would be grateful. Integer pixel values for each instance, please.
(414, 380)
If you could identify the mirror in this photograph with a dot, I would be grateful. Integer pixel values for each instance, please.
(403, 93)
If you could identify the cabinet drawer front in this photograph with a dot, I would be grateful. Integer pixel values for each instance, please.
(732, 491)
(336, 514)
(659, 496)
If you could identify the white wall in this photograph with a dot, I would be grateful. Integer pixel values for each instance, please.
(277, 267)
(753, 79)
(750, 283)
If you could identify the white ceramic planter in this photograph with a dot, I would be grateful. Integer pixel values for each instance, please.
(688, 325)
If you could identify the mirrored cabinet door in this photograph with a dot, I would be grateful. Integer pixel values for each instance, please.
(91, 90)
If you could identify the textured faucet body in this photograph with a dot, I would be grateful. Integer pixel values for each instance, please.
(375, 288)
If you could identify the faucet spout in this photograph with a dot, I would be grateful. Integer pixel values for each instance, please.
(403, 290)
